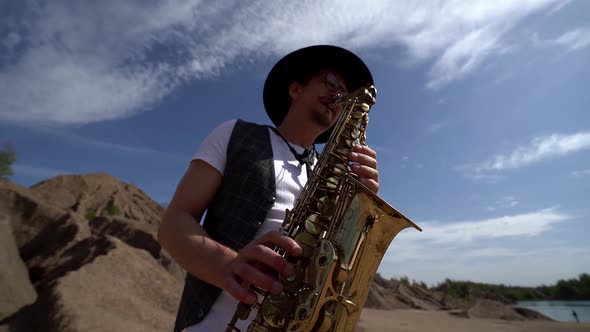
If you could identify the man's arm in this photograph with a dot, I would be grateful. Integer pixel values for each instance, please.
(191, 247)
(182, 235)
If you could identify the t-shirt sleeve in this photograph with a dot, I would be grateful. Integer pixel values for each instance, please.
(213, 150)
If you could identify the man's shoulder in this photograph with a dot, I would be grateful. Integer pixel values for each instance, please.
(230, 126)
(248, 125)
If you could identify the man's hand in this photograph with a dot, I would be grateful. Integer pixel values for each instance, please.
(253, 262)
(366, 166)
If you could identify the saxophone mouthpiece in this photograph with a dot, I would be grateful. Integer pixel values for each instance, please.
(333, 101)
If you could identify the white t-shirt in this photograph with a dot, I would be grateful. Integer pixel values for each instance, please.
(290, 178)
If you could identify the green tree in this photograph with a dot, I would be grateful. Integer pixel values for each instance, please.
(7, 158)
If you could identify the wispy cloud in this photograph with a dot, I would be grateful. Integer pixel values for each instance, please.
(504, 203)
(78, 140)
(36, 171)
(61, 63)
(582, 172)
(435, 127)
(465, 55)
(478, 176)
(508, 264)
(539, 149)
(487, 250)
(572, 40)
(464, 232)
(558, 6)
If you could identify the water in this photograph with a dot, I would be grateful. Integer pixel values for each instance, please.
(560, 310)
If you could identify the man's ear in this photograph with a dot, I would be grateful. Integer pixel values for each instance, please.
(295, 90)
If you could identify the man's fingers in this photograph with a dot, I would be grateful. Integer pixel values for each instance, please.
(365, 149)
(268, 257)
(371, 184)
(363, 159)
(256, 277)
(240, 292)
(272, 239)
(365, 172)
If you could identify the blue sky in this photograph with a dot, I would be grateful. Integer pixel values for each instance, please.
(482, 121)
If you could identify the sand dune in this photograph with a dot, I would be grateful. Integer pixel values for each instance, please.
(410, 320)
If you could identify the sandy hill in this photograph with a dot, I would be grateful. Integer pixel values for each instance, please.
(81, 255)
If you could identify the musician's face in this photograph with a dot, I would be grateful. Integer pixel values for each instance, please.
(316, 95)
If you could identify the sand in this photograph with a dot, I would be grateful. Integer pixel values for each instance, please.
(373, 320)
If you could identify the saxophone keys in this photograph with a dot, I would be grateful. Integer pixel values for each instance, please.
(343, 152)
(332, 183)
(323, 204)
(357, 114)
(310, 224)
(340, 169)
(307, 241)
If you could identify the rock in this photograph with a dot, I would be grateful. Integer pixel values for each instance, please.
(531, 314)
(99, 271)
(29, 214)
(393, 294)
(123, 290)
(100, 194)
(138, 235)
(16, 290)
(489, 309)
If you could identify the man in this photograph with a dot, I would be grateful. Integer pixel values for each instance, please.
(244, 176)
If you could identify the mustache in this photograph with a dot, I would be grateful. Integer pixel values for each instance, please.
(332, 98)
(332, 102)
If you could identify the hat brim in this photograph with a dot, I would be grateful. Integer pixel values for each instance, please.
(276, 95)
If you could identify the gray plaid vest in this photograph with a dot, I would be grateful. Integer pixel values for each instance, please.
(246, 195)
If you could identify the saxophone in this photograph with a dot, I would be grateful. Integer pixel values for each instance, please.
(344, 230)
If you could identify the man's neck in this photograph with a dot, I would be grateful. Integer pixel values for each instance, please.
(297, 134)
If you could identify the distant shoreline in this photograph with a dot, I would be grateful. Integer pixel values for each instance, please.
(559, 310)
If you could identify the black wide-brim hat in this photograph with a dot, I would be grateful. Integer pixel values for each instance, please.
(290, 68)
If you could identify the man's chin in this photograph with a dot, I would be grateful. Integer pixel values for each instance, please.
(324, 119)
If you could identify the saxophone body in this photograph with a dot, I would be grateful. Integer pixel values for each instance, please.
(344, 230)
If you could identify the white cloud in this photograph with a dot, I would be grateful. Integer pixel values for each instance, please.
(72, 63)
(504, 203)
(582, 172)
(558, 6)
(463, 232)
(507, 265)
(572, 40)
(435, 127)
(510, 249)
(539, 149)
(463, 56)
(78, 140)
(489, 178)
(35, 171)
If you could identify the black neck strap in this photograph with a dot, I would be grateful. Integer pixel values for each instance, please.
(305, 158)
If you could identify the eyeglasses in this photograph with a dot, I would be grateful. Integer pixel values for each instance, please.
(333, 83)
